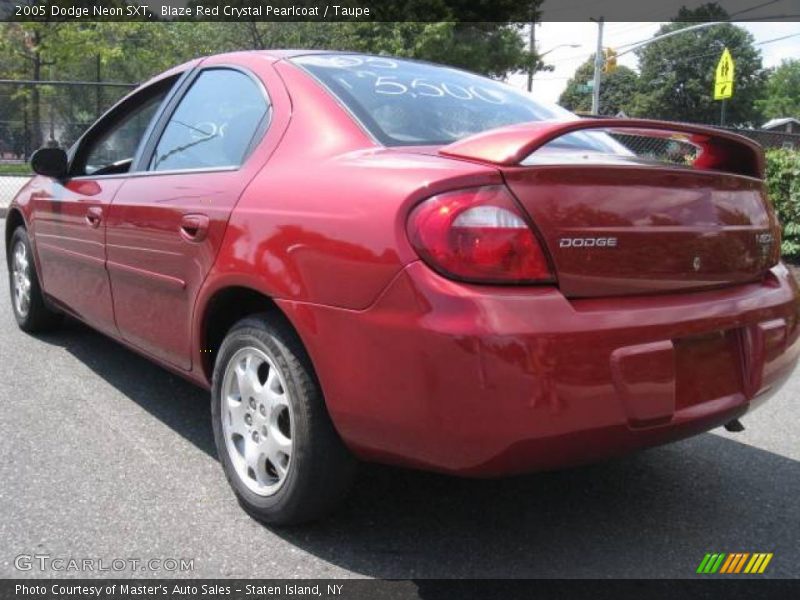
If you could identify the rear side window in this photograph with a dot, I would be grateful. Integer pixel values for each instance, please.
(404, 102)
(214, 123)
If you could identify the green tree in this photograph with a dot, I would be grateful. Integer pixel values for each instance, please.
(676, 78)
(135, 51)
(12, 124)
(616, 90)
(783, 186)
(27, 47)
(75, 51)
(493, 49)
(782, 92)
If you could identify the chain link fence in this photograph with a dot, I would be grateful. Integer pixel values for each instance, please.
(677, 152)
(35, 114)
(50, 113)
(771, 139)
(660, 150)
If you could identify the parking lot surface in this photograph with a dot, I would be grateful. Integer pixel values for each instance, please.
(107, 456)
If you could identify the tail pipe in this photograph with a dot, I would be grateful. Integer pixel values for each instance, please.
(734, 426)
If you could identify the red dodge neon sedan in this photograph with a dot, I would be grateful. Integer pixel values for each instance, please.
(372, 258)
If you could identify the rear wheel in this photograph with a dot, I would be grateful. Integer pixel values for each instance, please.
(275, 440)
(27, 301)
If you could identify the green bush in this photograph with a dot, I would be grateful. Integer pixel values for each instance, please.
(783, 183)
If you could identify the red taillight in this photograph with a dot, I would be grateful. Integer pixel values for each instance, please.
(477, 235)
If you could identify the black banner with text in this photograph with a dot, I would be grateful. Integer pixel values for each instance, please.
(376, 10)
(423, 589)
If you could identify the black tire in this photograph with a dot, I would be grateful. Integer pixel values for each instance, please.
(321, 470)
(38, 317)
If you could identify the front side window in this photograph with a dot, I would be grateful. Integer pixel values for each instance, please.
(405, 102)
(113, 151)
(214, 124)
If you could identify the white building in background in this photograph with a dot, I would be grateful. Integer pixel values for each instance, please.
(784, 125)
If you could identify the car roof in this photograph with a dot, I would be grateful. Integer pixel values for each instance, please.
(289, 53)
(293, 52)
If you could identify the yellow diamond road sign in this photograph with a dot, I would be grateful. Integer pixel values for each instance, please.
(723, 82)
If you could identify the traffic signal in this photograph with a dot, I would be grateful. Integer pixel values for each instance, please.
(610, 63)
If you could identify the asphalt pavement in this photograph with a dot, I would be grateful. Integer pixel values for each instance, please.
(106, 456)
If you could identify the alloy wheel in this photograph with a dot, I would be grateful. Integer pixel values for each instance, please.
(257, 421)
(21, 279)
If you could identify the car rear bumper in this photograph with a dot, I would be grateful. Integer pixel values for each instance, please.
(484, 381)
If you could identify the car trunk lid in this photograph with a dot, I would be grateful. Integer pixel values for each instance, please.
(617, 224)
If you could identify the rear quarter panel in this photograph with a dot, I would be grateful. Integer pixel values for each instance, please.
(324, 220)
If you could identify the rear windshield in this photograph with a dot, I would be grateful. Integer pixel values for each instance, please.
(405, 102)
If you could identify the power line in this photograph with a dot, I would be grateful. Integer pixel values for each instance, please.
(694, 56)
(752, 8)
(568, 7)
(728, 22)
(553, 78)
(633, 26)
(777, 39)
(716, 52)
(676, 31)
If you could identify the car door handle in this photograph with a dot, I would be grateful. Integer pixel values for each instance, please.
(94, 216)
(194, 228)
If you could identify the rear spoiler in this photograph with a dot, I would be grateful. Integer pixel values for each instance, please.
(719, 150)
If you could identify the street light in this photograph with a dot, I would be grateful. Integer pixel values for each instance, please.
(559, 46)
(532, 70)
(598, 57)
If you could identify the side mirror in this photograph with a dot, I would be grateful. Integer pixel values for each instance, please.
(50, 162)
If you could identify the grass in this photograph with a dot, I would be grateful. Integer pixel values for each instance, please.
(23, 169)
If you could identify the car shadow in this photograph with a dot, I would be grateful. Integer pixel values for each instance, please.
(652, 514)
(177, 403)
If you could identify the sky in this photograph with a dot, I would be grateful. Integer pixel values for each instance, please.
(547, 86)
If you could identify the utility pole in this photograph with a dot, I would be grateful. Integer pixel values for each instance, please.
(598, 67)
(599, 60)
(532, 50)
